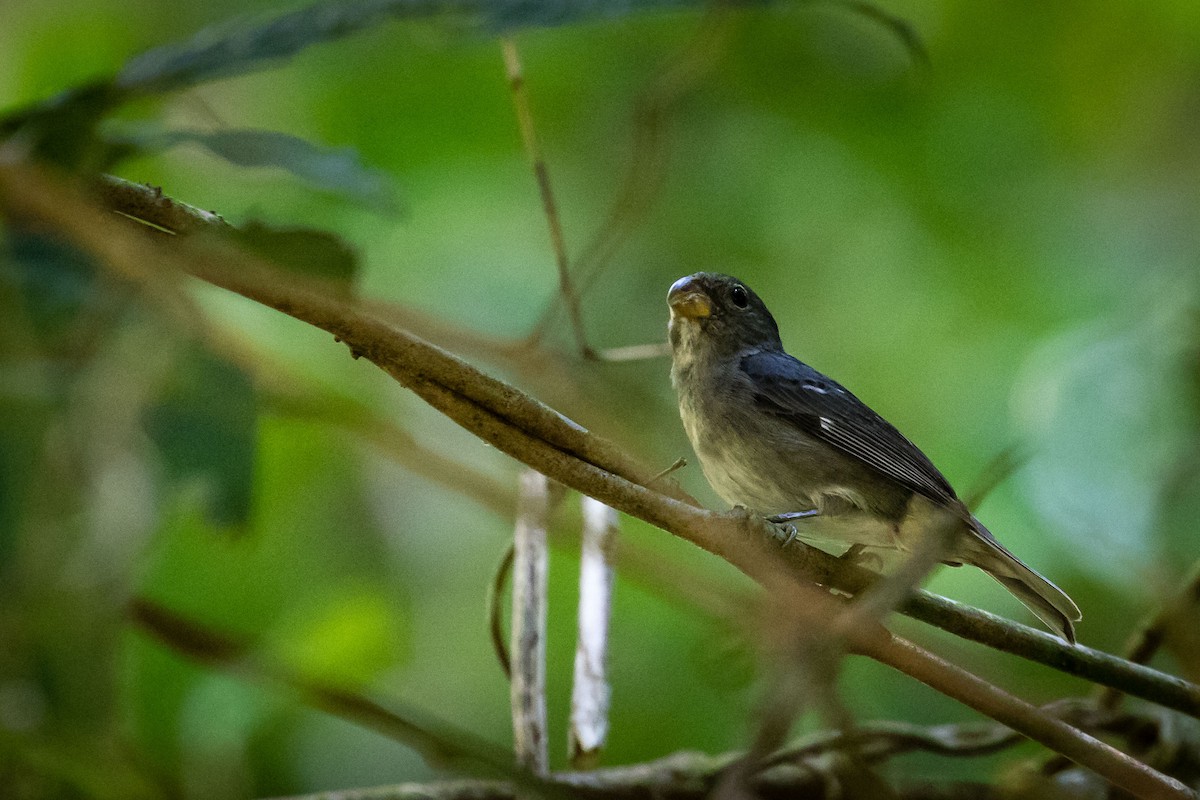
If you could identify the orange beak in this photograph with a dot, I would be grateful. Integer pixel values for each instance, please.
(688, 300)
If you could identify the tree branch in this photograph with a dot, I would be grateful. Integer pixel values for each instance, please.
(808, 768)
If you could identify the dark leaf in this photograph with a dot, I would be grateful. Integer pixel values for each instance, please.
(335, 169)
(68, 304)
(312, 252)
(240, 46)
(54, 281)
(64, 129)
(205, 427)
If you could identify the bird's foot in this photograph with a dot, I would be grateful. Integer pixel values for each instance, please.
(785, 531)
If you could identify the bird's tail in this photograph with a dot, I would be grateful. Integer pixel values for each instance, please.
(1048, 602)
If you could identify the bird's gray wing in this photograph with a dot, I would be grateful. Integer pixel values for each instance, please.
(822, 408)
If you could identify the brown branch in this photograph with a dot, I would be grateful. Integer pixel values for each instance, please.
(438, 742)
(323, 405)
(809, 768)
(1116, 767)
(537, 436)
(1002, 634)
(148, 203)
(566, 287)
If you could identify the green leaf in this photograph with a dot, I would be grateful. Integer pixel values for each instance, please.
(317, 253)
(64, 130)
(334, 169)
(205, 427)
(54, 281)
(238, 47)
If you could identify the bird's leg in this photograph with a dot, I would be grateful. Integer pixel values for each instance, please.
(786, 528)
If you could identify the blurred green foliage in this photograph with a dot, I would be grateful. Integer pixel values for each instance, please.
(1000, 247)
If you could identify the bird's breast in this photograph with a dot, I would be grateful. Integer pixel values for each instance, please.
(743, 455)
(757, 459)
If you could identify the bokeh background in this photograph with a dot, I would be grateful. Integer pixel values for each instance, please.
(995, 249)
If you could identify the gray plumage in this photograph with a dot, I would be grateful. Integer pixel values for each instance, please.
(776, 436)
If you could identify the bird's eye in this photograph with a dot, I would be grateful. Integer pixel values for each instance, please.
(739, 297)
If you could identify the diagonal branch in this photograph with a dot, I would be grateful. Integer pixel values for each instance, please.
(541, 173)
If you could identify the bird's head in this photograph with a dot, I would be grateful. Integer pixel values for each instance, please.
(719, 315)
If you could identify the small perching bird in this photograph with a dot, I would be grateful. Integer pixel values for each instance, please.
(776, 436)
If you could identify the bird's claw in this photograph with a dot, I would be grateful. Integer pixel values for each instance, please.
(793, 515)
(784, 529)
(786, 533)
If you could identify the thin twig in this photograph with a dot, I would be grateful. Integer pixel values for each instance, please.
(495, 613)
(589, 689)
(438, 742)
(676, 465)
(646, 169)
(813, 654)
(541, 173)
(996, 472)
(1114, 766)
(798, 770)
(884, 596)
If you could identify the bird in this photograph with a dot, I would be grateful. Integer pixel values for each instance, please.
(779, 438)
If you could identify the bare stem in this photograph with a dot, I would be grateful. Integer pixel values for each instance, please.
(531, 562)
(541, 173)
(590, 689)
